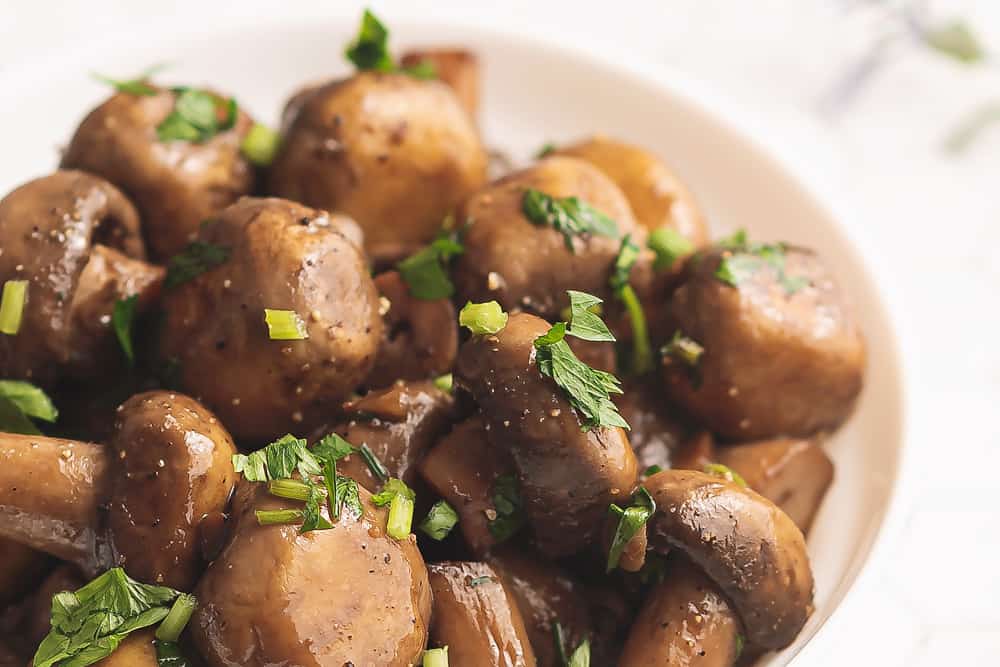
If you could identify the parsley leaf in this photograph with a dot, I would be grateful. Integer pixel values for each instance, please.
(197, 116)
(332, 447)
(312, 516)
(482, 318)
(121, 321)
(370, 49)
(439, 521)
(29, 399)
(277, 460)
(193, 261)
(630, 520)
(510, 516)
(426, 271)
(570, 216)
(669, 246)
(580, 656)
(138, 85)
(745, 259)
(585, 324)
(89, 624)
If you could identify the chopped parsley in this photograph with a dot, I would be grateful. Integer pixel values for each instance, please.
(510, 515)
(423, 70)
(587, 389)
(652, 470)
(121, 321)
(683, 349)
(630, 520)
(198, 115)
(641, 359)
(745, 259)
(197, 258)
(439, 521)
(483, 318)
(570, 216)
(426, 271)
(669, 246)
(15, 293)
(580, 656)
(138, 85)
(725, 472)
(370, 51)
(20, 402)
(88, 625)
(284, 325)
(260, 145)
(585, 324)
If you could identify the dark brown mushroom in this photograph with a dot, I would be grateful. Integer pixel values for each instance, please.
(20, 569)
(175, 184)
(658, 431)
(458, 68)
(793, 474)
(394, 152)
(172, 468)
(476, 617)
(783, 354)
(752, 551)
(420, 336)
(75, 239)
(282, 256)
(568, 476)
(349, 595)
(523, 265)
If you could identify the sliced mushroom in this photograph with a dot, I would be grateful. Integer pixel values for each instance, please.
(684, 622)
(793, 474)
(282, 256)
(175, 184)
(75, 239)
(524, 265)
(172, 468)
(349, 595)
(752, 551)
(398, 424)
(783, 354)
(420, 336)
(462, 468)
(568, 475)
(458, 68)
(394, 152)
(476, 617)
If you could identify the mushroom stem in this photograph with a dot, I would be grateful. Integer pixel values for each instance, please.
(50, 491)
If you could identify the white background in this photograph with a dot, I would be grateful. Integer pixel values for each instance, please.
(932, 595)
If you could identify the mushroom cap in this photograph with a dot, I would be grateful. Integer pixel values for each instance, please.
(752, 551)
(283, 256)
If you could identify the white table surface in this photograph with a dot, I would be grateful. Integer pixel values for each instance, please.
(932, 594)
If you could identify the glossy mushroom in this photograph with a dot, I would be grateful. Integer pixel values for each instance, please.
(75, 239)
(281, 256)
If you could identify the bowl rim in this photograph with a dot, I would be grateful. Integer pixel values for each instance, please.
(740, 120)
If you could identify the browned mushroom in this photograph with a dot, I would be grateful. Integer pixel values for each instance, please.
(20, 568)
(176, 184)
(459, 68)
(75, 239)
(349, 595)
(476, 617)
(752, 551)
(568, 475)
(282, 256)
(783, 354)
(394, 152)
(420, 336)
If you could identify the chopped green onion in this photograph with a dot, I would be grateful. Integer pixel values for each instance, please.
(12, 306)
(445, 382)
(725, 472)
(642, 353)
(260, 145)
(284, 325)
(686, 350)
(669, 246)
(377, 467)
(277, 517)
(292, 489)
(180, 613)
(439, 521)
(630, 520)
(121, 321)
(400, 517)
(169, 654)
(740, 641)
(483, 318)
(436, 657)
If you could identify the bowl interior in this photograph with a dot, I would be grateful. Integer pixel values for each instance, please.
(534, 93)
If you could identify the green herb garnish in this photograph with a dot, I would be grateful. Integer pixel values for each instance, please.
(197, 258)
(378, 468)
(669, 246)
(399, 497)
(483, 318)
(169, 654)
(570, 216)
(423, 70)
(121, 321)
(197, 116)
(426, 271)
(641, 360)
(580, 656)
(510, 516)
(548, 148)
(439, 521)
(260, 145)
(177, 619)
(370, 51)
(284, 325)
(652, 470)
(12, 301)
(29, 399)
(89, 624)
(746, 259)
(584, 323)
(725, 472)
(445, 382)
(630, 520)
(683, 349)
(138, 85)
(436, 657)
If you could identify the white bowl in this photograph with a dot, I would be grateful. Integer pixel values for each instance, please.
(535, 92)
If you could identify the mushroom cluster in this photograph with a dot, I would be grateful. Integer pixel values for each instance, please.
(334, 395)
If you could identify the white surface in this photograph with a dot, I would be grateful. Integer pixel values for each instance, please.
(931, 596)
